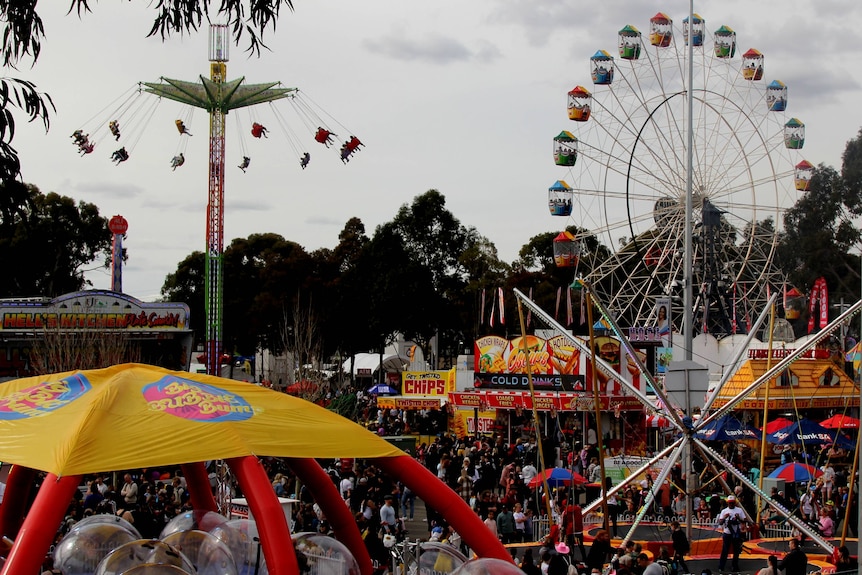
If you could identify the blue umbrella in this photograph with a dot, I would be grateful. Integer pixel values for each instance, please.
(808, 431)
(796, 472)
(726, 428)
(382, 389)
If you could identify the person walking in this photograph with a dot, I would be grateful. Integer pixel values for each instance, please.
(506, 525)
(731, 519)
(681, 547)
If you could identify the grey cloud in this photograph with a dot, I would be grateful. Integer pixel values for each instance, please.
(247, 206)
(323, 221)
(434, 49)
(114, 190)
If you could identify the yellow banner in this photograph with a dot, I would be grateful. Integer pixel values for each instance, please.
(425, 383)
(90, 421)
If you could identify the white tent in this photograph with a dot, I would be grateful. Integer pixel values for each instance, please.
(365, 362)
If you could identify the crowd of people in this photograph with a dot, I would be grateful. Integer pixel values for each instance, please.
(493, 478)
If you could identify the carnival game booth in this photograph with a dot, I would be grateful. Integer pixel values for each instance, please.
(814, 386)
(134, 416)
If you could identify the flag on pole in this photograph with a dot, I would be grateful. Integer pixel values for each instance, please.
(529, 310)
(482, 308)
(583, 307)
(569, 317)
(502, 306)
(557, 306)
(733, 314)
(493, 310)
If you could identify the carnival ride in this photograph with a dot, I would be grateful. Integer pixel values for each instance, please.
(218, 96)
(625, 157)
(137, 416)
(628, 162)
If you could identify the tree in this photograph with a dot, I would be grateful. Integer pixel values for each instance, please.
(47, 240)
(24, 32)
(434, 239)
(819, 234)
(264, 274)
(187, 285)
(535, 267)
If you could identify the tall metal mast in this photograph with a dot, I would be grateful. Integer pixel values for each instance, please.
(217, 95)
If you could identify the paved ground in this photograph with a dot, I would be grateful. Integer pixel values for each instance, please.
(418, 527)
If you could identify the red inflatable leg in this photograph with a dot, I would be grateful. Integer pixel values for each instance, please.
(40, 526)
(15, 500)
(327, 496)
(198, 484)
(450, 505)
(268, 514)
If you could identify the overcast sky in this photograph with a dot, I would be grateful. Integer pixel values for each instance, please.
(462, 97)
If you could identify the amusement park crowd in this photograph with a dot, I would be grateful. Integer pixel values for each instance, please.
(497, 475)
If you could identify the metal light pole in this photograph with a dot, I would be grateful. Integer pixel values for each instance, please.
(218, 96)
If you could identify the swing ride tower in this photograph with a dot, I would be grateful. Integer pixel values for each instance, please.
(218, 96)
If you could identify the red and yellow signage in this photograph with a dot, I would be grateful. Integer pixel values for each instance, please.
(495, 354)
(93, 310)
(544, 401)
(408, 403)
(427, 383)
(465, 422)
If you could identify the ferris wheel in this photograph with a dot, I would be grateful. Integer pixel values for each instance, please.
(626, 158)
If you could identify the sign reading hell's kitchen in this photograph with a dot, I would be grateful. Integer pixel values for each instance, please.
(92, 310)
(557, 355)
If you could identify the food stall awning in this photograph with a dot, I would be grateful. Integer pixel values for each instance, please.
(545, 401)
(411, 402)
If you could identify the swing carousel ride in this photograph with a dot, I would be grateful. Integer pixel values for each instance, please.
(124, 123)
(626, 162)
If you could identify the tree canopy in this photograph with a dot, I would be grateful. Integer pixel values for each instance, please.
(819, 231)
(46, 241)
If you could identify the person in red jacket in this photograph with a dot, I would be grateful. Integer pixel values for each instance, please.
(573, 523)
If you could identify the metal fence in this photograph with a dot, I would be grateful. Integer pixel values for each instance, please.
(320, 564)
(769, 530)
(541, 526)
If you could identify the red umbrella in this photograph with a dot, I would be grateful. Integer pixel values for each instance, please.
(796, 472)
(840, 422)
(777, 424)
(557, 477)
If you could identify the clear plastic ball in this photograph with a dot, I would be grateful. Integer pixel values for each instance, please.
(206, 552)
(110, 519)
(243, 538)
(141, 552)
(325, 555)
(196, 519)
(155, 569)
(439, 558)
(84, 547)
(488, 566)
